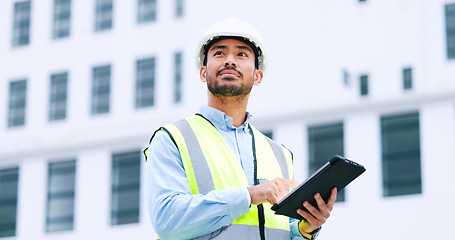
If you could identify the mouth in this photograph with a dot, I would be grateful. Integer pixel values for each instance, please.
(229, 73)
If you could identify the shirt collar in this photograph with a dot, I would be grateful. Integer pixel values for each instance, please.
(221, 120)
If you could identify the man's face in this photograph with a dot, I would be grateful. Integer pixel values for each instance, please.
(230, 69)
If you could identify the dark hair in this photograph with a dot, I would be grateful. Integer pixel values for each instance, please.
(242, 39)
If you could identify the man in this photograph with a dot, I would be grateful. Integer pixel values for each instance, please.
(213, 175)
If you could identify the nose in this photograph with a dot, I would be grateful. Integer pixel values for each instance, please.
(230, 61)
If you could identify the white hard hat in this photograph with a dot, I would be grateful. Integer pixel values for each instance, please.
(231, 28)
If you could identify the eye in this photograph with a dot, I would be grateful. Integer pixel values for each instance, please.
(242, 54)
(218, 53)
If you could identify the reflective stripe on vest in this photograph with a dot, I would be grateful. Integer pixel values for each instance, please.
(201, 147)
(201, 169)
(237, 231)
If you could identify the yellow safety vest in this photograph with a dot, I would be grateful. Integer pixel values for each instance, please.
(210, 164)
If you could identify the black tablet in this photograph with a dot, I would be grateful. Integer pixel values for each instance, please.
(338, 172)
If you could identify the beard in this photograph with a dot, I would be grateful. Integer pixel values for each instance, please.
(228, 88)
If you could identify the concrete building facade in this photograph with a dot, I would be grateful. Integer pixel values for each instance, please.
(86, 83)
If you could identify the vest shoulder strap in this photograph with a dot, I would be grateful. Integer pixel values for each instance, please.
(265, 145)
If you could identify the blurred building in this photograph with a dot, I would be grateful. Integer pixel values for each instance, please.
(83, 85)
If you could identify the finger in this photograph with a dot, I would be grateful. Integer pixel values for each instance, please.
(313, 222)
(315, 212)
(273, 199)
(271, 195)
(323, 209)
(275, 191)
(290, 183)
(332, 199)
(276, 184)
(308, 217)
(283, 192)
(278, 189)
(280, 185)
(279, 192)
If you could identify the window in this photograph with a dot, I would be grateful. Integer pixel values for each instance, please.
(8, 201)
(58, 96)
(62, 18)
(146, 11)
(103, 19)
(269, 134)
(145, 82)
(450, 30)
(125, 187)
(407, 78)
(178, 8)
(101, 89)
(21, 27)
(324, 143)
(364, 85)
(401, 154)
(346, 77)
(60, 196)
(17, 102)
(178, 77)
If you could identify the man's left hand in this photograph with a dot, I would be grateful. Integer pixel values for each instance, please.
(316, 217)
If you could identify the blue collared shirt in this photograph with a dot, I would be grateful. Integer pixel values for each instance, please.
(175, 212)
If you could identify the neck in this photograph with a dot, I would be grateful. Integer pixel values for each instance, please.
(234, 107)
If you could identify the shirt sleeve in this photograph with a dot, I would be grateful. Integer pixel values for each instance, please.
(174, 211)
(294, 226)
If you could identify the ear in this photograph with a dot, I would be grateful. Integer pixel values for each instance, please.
(203, 74)
(258, 74)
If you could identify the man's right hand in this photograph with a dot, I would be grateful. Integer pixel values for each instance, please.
(271, 191)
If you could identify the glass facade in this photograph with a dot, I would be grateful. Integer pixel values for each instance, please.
(179, 4)
(178, 72)
(450, 30)
(407, 78)
(400, 136)
(17, 103)
(146, 11)
(8, 201)
(126, 174)
(324, 142)
(60, 196)
(103, 14)
(346, 77)
(58, 96)
(62, 18)
(145, 82)
(101, 88)
(21, 23)
(364, 85)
